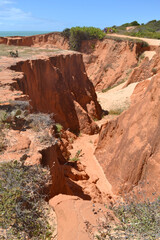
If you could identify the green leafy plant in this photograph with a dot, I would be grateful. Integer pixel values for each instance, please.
(77, 156)
(59, 127)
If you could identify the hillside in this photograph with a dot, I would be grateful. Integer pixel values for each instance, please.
(149, 30)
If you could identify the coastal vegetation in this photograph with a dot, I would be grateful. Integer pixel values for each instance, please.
(78, 34)
(149, 30)
(24, 213)
(137, 220)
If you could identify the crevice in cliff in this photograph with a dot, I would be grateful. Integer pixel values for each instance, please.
(59, 85)
(62, 181)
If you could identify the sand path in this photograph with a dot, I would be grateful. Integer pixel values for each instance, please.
(150, 41)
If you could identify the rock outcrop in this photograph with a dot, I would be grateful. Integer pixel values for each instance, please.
(128, 147)
(59, 85)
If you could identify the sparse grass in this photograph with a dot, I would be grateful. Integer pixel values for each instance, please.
(2, 141)
(3, 115)
(145, 34)
(116, 111)
(129, 72)
(24, 51)
(121, 39)
(107, 66)
(95, 119)
(141, 57)
(93, 46)
(22, 206)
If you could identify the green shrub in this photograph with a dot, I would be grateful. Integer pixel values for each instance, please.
(154, 70)
(66, 33)
(22, 205)
(148, 30)
(77, 34)
(76, 157)
(134, 23)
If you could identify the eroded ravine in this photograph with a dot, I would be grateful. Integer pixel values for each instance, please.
(74, 183)
(63, 178)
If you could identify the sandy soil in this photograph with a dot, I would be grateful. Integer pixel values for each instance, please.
(116, 98)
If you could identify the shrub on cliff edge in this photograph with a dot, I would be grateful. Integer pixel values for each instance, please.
(77, 34)
(66, 33)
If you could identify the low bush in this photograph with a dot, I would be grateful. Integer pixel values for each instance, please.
(77, 34)
(66, 33)
(141, 219)
(138, 221)
(22, 203)
(144, 34)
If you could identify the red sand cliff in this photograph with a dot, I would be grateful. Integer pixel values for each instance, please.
(59, 85)
(146, 68)
(110, 61)
(128, 147)
(38, 40)
(107, 62)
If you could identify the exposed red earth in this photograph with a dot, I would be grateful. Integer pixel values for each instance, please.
(119, 153)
